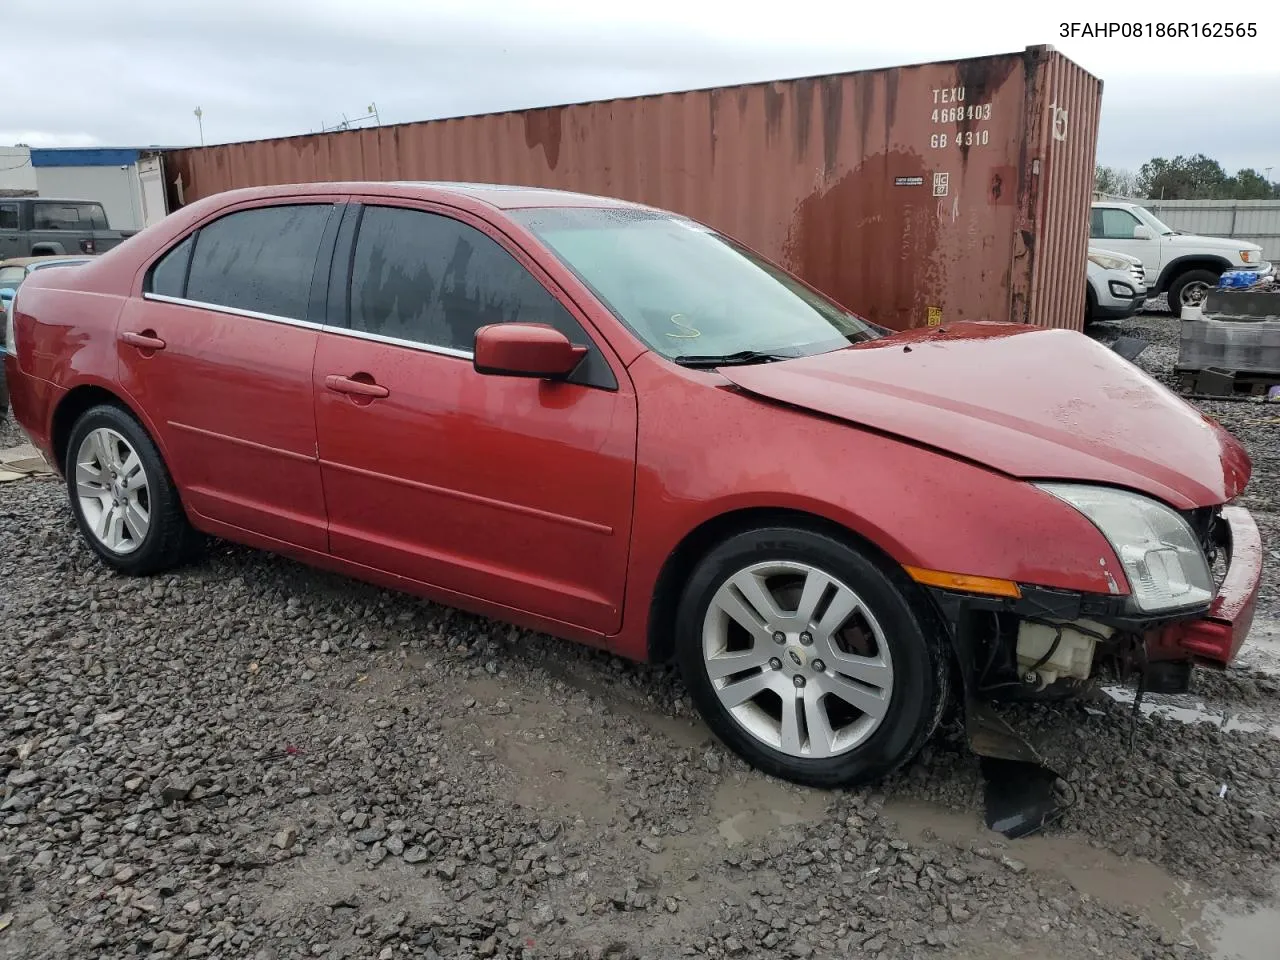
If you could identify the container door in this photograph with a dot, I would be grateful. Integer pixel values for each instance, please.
(151, 186)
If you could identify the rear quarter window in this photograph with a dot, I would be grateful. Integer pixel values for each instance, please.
(261, 260)
(169, 275)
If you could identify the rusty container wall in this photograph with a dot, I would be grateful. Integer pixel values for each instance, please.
(1067, 104)
(914, 195)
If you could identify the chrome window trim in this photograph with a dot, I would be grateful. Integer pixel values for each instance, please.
(398, 342)
(233, 311)
(308, 325)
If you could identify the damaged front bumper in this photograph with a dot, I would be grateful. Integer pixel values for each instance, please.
(1212, 634)
(1217, 636)
(986, 634)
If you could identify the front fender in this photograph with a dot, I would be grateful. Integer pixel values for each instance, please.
(922, 508)
(1189, 262)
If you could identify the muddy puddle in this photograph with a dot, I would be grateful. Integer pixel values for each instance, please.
(1227, 931)
(1239, 935)
(1261, 653)
(1262, 650)
(1189, 709)
(748, 809)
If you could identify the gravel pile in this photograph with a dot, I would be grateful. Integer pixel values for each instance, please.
(248, 758)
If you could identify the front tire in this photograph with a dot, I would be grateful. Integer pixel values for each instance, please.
(1189, 290)
(124, 501)
(805, 657)
(1090, 304)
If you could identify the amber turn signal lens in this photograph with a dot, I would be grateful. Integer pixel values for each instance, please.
(964, 582)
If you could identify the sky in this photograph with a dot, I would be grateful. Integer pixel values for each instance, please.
(133, 74)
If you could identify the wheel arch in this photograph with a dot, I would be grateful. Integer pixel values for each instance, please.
(73, 404)
(675, 571)
(47, 248)
(1176, 268)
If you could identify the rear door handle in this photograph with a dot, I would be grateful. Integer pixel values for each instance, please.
(143, 341)
(357, 388)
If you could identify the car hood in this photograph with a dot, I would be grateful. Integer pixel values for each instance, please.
(1212, 243)
(1027, 401)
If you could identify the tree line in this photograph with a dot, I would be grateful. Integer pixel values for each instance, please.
(1185, 178)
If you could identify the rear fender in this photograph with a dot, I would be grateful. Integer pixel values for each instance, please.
(43, 248)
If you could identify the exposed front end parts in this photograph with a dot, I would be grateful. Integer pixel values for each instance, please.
(1049, 650)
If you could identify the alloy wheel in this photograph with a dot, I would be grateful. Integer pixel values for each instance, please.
(113, 490)
(797, 659)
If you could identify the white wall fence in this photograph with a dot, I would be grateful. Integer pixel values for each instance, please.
(17, 176)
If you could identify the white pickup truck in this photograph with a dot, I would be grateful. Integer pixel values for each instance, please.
(1180, 264)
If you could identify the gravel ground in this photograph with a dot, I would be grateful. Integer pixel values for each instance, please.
(249, 758)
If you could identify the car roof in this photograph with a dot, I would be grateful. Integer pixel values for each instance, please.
(58, 200)
(38, 261)
(497, 195)
(512, 197)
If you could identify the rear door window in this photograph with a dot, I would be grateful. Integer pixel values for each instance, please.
(8, 216)
(261, 260)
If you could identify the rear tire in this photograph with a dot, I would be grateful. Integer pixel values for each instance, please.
(124, 501)
(852, 691)
(1189, 289)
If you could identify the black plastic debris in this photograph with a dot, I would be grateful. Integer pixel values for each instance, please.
(1020, 795)
(1130, 347)
(1020, 798)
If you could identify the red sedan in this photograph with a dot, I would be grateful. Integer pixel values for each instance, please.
(616, 425)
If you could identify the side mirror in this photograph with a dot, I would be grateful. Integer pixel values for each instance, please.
(525, 350)
(1141, 232)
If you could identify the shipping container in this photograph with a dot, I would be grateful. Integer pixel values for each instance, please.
(914, 195)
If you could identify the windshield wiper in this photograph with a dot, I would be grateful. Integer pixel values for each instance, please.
(741, 358)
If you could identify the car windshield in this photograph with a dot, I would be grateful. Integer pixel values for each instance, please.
(12, 276)
(1154, 222)
(688, 292)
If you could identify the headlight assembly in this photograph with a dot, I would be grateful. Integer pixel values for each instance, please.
(1161, 556)
(1109, 263)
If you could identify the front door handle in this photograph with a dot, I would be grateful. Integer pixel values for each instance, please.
(359, 388)
(143, 341)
